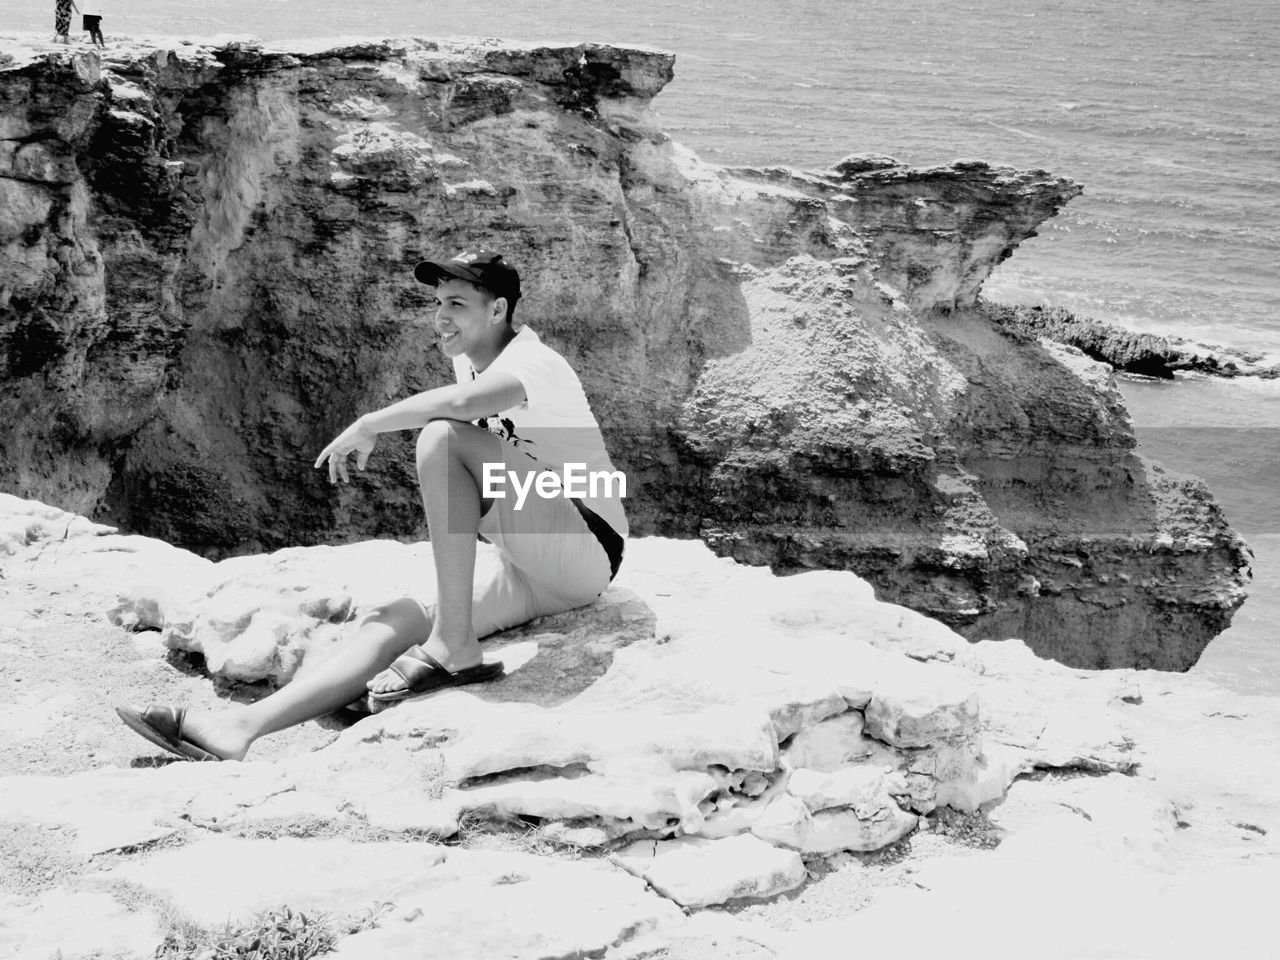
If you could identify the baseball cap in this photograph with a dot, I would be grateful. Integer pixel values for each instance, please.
(481, 267)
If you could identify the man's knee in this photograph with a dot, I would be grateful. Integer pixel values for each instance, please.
(443, 440)
(435, 440)
(405, 616)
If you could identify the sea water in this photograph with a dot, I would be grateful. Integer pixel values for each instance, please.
(1165, 110)
(1225, 432)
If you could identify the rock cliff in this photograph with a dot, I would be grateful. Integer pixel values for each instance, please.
(204, 258)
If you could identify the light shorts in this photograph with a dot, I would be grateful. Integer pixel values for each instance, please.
(547, 559)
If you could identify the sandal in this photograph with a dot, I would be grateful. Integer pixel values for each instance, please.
(423, 673)
(163, 727)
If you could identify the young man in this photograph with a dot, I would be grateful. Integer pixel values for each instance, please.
(516, 415)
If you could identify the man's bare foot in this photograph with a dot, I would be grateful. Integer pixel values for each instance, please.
(222, 734)
(389, 681)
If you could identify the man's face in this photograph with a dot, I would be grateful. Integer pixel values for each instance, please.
(468, 319)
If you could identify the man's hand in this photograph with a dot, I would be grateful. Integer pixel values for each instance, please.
(355, 439)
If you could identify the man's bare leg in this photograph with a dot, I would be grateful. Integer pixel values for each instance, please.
(451, 458)
(329, 685)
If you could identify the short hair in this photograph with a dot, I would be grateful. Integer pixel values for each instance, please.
(491, 296)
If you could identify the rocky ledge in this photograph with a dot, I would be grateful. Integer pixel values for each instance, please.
(742, 766)
(204, 258)
(1147, 354)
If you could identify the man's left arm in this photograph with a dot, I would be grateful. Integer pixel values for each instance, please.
(493, 390)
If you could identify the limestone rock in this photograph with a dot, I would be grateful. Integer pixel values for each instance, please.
(581, 837)
(825, 596)
(715, 933)
(209, 882)
(76, 925)
(479, 738)
(666, 722)
(1040, 719)
(555, 659)
(65, 552)
(671, 737)
(788, 823)
(971, 556)
(99, 822)
(699, 873)
(480, 905)
(1109, 813)
(730, 817)
(1147, 354)
(388, 786)
(257, 618)
(112, 809)
(287, 812)
(964, 776)
(860, 787)
(600, 725)
(1132, 912)
(24, 523)
(723, 947)
(626, 800)
(828, 745)
(923, 710)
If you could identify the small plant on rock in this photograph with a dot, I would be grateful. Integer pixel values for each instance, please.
(281, 934)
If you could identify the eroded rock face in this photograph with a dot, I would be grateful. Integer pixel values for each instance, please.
(204, 274)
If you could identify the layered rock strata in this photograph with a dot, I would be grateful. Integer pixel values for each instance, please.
(204, 258)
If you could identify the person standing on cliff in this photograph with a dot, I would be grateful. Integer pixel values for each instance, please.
(62, 20)
(517, 414)
(92, 12)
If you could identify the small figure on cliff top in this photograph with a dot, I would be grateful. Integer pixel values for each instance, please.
(92, 12)
(557, 549)
(62, 20)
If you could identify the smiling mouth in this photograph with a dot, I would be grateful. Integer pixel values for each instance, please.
(446, 337)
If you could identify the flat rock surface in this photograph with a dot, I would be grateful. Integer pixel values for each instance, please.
(697, 873)
(478, 906)
(741, 723)
(216, 879)
(71, 924)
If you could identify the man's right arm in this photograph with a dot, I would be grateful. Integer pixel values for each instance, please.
(491, 391)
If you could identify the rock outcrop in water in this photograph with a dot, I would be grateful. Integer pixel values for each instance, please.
(1142, 353)
(204, 259)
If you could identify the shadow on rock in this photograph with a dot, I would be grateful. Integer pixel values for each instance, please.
(573, 650)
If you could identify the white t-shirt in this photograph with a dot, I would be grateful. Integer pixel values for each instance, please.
(555, 425)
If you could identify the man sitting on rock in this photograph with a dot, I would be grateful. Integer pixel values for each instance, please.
(516, 415)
